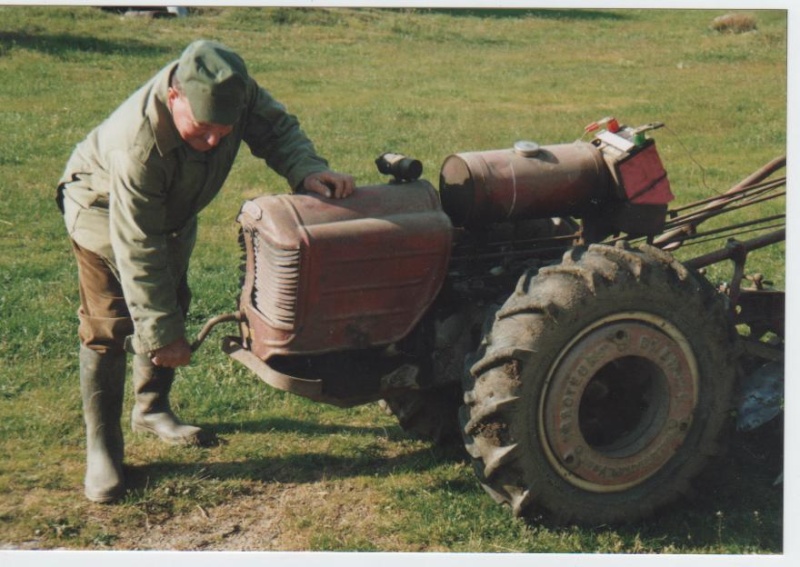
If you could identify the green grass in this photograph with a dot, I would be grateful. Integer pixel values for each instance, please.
(293, 475)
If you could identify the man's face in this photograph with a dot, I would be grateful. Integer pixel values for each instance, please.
(201, 136)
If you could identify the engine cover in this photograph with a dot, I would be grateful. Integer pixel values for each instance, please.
(323, 275)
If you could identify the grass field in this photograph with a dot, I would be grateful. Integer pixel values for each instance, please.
(290, 474)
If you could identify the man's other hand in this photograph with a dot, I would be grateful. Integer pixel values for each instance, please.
(177, 353)
(330, 184)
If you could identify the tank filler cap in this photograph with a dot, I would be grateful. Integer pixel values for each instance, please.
(526, 148)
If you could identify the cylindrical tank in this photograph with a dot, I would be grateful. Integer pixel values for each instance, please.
(527, 181)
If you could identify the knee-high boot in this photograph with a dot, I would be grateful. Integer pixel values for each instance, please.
(102, 378)
(152, 412)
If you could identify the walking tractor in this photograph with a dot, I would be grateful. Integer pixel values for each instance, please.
(530, 308)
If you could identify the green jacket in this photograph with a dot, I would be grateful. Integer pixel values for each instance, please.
(132, 191)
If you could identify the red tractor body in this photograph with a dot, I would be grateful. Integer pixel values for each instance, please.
(586, 377)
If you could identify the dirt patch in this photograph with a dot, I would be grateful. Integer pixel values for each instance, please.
(244, 523)
(273, 517)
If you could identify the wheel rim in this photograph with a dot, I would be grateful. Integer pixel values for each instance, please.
(618, 402)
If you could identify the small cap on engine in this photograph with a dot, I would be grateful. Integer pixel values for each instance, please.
(526, 148)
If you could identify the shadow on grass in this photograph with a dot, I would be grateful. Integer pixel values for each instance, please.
(735, 506)
(297, 468)
(64, 45)
(301, 467)
(283, 425)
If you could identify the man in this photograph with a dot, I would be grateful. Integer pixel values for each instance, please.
(130, 196)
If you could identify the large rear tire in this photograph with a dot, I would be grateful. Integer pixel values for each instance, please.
(602, 387)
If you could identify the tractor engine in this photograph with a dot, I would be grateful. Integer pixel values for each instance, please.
(403, 275)
(326, 275)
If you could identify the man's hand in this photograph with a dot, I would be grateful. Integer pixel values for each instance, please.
(177, 353)
(330, 184)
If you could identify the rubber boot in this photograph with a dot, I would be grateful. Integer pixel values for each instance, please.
(102, 378)
(151, 412)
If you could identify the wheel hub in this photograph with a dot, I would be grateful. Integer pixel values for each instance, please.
(618, 402)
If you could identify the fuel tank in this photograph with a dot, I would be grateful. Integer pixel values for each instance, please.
(524, 182)
(323, 275)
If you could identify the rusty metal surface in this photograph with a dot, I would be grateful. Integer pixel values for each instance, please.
(479, 188)
(325, 275)
(311, 389)
(321, 379)
(735, 248)
(600, 435)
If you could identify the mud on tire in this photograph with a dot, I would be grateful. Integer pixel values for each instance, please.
(601, 388)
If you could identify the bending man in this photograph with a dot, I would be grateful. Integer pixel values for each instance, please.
(130, 196)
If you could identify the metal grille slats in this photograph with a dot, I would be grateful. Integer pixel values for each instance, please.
(277, 276)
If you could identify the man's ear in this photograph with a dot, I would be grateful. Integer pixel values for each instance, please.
(172, 95)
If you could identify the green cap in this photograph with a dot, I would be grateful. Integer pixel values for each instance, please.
(214, 81)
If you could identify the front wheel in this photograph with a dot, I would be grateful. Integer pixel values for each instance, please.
(602, 386)
(429, 415)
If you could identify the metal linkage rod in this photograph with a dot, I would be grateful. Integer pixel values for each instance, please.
(672, 238)
(735, 249)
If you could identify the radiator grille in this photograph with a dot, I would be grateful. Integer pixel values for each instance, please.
(277, 275)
